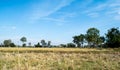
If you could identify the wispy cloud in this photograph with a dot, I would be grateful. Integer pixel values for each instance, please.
(47, 8)
(93, 15)
(60, 19)
(54, 19)
(9, 27)
(110, 8)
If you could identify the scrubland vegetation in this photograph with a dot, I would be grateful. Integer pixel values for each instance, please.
(88, 51)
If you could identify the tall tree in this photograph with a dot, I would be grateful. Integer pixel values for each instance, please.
(7, 43)
(23, 39)
(92, 36)
(113, 37)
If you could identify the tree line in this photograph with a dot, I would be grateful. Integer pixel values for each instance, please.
(92, 39)
(9, 43)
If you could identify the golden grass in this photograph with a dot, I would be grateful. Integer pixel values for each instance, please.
(48, 59)
(54, 50)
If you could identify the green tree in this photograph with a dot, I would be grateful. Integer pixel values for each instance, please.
(63, 45)
(12, 45)
(43, 43)
(23, 39)
(113, 37)
(76, 40)
(71, 45)
(29, 44)
(101, 41)
(81, 39)
(49, 43)
(38, 45)
(7, 43)
(102, 38)
(92, 37)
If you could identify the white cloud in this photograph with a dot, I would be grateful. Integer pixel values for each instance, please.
(100, 7)
(109, 8)
(9, 27)
(54, 19)
(93, 15)
(97, 8)
(60, 18)
(47, 8)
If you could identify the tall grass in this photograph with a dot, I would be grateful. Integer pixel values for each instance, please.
(67, 60)
(56, 50)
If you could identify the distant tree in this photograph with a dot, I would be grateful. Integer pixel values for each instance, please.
(24, 45)
(76, 40)
(49, 43)
(113, 38)
(23, 39)
(1, 45)
(12, 45)
(38, 45)
(92, 37)
(101, 41)
(43, 43)
(102, 38)
(29, 44)
(71, 45)
(81, 39)
(63, 45)
(54, 46)
(7, 43)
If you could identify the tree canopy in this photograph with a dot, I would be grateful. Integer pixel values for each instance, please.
(92, 36)
(113, 37)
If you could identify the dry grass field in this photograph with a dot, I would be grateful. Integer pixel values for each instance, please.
(59, 59)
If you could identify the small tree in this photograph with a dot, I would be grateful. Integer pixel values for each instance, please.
(49, 43)
(63, 45)
(7, 43)
(38, 45)
(29, 44)
(23, 39)
(43, 43)
(100, 41)
(12, 45)
(71, 45)
(81, 39)
(76, 40)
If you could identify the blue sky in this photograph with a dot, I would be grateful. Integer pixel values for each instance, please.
(55, 20)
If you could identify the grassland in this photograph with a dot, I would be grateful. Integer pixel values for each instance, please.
(59, 59)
